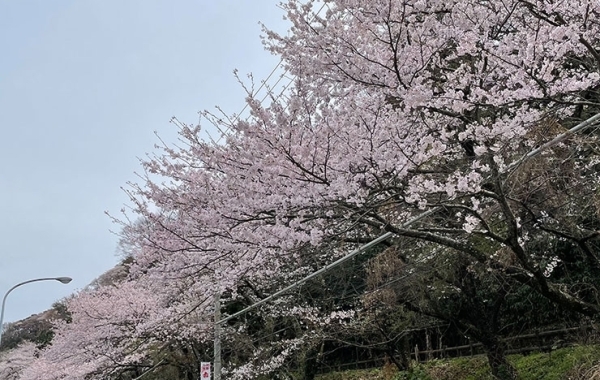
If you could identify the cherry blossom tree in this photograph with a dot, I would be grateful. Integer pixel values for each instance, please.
(12, 362)
(397, 109)
(113, 331)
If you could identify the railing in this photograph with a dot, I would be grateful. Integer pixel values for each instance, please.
(515, 345)
(536, 341)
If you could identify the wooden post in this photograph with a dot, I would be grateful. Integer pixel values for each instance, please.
(417, 353)
(428, 345)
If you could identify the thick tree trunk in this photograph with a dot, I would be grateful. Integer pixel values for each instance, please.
(401, 364)
(501, 368)
(310, 364)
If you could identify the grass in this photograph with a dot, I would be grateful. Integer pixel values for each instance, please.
(572, 363)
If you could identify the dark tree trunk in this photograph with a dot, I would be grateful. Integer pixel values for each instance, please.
(310, 364)
(401, 364)
(500, 367)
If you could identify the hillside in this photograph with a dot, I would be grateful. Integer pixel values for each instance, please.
(573, 363)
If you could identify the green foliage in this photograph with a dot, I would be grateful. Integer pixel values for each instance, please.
(37, 328)
(62, 311)
(476, 368)
(557, 365)
(415, 373)
(33, 329)
(574, 363)
(374, 374)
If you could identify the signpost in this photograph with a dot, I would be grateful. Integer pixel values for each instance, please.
(205, 371)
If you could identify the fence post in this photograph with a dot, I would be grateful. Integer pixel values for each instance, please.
(428, 345)
(441, 345)
(417, 353)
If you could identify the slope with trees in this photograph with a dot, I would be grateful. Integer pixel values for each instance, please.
(397, 109)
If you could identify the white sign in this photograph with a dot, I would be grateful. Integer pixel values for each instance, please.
(205, 371)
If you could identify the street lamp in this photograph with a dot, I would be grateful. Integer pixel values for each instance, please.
(64, 280)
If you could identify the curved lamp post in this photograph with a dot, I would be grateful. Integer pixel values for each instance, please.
(64, 280)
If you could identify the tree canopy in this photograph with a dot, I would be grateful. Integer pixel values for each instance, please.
(396, 108)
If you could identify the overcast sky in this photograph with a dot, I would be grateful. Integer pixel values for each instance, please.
(84, 84)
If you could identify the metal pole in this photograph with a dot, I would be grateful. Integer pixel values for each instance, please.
(217, 352)
(218, 321)
(64, 280)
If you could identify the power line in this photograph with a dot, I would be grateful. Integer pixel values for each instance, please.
(270, 88)
(582, 126)
(579, 127)
(328, 267)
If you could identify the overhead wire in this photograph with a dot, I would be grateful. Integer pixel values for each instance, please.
(270, 88)
(581, 126)
(408, 270)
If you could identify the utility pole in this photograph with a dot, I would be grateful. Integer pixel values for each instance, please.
(591, 122)
(217, 347)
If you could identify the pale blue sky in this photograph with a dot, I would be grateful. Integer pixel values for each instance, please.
(83, 86)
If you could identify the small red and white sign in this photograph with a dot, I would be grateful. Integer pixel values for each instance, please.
(205, 371)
